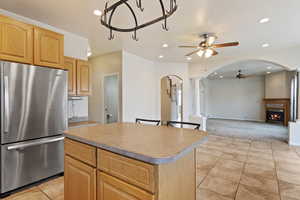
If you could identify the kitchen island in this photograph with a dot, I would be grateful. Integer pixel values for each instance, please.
(127, 161)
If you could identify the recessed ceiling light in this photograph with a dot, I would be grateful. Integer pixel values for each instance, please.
(265, 45)
(97, 12)
(189, 58)
(264, 20)
(161, 56)
(165, 45)
(268, 72)
(269, 67)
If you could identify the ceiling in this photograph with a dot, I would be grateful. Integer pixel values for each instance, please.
(248, 68)
(231, 20)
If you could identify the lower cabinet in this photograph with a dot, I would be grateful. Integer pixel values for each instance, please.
(110, 188)
(80, 180)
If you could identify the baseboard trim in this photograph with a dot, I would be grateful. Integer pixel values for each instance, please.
(249, 120)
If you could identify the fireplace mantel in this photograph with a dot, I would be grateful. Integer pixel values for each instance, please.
(278, 103)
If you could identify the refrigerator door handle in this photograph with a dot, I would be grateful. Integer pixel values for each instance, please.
(6, 105)
(44, 141)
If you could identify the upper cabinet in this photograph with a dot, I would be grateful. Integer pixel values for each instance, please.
(83, 78)
(79, 77)
(48, 48)
(70, 65)
(24, 43)
(16, 40)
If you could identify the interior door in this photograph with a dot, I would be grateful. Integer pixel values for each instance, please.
(34, 101)
(111, 98)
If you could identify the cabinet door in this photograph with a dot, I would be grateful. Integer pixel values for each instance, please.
(70, 65)
(110, 188)
(16, 40)
(48, 48)
(83, 78)
(80, 180)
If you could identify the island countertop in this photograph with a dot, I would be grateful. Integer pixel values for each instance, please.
(151, 144)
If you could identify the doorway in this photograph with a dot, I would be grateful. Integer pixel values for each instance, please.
(111, 98)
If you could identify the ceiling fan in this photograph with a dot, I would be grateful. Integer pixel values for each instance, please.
(207, 47)
(240, 75)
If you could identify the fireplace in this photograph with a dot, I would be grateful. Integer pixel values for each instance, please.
(275, 115)
(277, 111)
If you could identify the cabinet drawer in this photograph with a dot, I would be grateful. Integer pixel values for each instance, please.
(110, 188)
(82, 152)
(132, 171)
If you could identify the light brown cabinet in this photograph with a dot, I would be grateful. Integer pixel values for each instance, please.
(122, 178)
(110, 188)
(79, 76)
(83, 78)
(16, 40)
(80, 180)
(24, 43)
(70, 65)
(48, 48)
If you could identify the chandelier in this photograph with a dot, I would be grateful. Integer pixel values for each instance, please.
(110, 10)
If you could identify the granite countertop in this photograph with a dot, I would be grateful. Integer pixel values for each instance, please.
(152, 144)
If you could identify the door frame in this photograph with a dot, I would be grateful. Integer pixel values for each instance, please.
(102, 93)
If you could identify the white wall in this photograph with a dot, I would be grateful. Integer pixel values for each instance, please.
(141, 86)
(235, 98)
(75, 46)
(103, 65)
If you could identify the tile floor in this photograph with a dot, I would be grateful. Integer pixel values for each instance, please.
(227, 169)
(243, 169)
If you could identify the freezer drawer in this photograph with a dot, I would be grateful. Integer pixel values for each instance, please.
(27, 162)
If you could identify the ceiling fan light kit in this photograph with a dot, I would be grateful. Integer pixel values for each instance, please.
(110, 10)
(207, 47)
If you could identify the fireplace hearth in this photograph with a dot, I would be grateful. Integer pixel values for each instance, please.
(277, 111)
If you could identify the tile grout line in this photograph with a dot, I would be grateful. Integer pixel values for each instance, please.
(209, 171)
(275, 165)
(244, 166)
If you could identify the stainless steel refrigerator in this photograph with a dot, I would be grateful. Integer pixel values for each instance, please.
(33, 118)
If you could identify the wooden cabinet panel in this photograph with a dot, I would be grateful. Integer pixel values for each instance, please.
(48, 48)
(70, 65)
(110, 188)
(16, 40)
(83, 78)
(80, 180)
(83, 152)
(132, 171)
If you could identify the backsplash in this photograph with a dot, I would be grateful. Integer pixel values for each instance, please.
(78, 108)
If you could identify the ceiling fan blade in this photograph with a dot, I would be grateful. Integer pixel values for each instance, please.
(183, 46)
(229, 44)
(189, 54)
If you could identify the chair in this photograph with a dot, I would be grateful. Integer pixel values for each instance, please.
(155, 122)
(173, 123)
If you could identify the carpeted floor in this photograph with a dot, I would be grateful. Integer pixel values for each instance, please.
(247, 129)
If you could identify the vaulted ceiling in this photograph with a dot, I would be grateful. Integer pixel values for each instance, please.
(231, 20)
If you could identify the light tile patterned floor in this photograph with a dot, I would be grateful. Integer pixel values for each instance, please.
(238, 169)
(227, 169)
